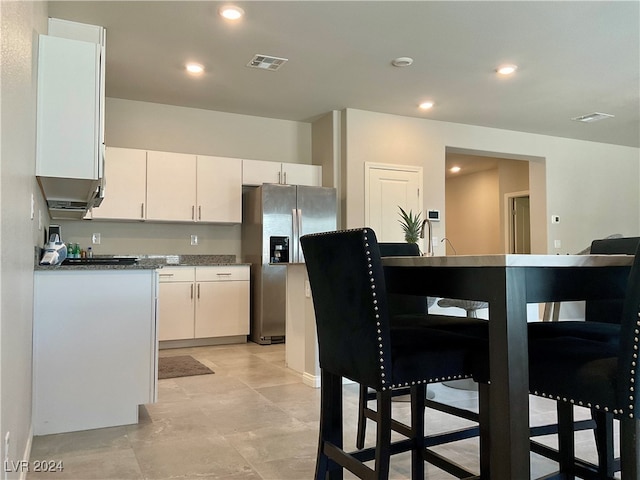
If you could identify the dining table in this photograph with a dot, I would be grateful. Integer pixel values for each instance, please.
(508, 283)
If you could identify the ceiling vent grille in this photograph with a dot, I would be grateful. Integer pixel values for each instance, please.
(592, 117)
(266, 62)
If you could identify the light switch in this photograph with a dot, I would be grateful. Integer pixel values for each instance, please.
(307, 289)
(557, 244)
(194, 239)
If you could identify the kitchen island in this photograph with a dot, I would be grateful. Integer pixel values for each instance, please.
(95, 346)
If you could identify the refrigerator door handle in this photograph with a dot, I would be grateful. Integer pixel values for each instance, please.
(298, 235)
(295, 240)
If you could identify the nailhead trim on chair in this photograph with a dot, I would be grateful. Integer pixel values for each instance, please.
(631, 388)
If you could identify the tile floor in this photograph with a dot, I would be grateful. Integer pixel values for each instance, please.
(252, 419)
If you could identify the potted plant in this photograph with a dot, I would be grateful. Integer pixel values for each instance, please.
(411, 225)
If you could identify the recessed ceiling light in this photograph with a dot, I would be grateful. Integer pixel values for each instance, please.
(231, 12)
(194, 68)
(592, 117)
(506, 69)
(426, 105)
(402, 61)
(454, 169)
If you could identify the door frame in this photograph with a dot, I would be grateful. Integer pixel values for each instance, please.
(508, 223)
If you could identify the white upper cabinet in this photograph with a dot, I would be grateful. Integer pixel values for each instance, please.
(298, 174)
(171, 186)
(125, 185)
(68, 107)
(182, 187)
(257, 172)
(219, 189)
(70, 112)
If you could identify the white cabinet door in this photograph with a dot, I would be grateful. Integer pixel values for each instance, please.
(298, 174)
(222, 301)
(175, 310)
(171, 193)
(222, 309)
(257, 172)
(125, 185)
(68, 108)
(219, 189)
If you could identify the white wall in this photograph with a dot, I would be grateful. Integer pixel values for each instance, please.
(168, 128)
(21, 23)
(592, 186)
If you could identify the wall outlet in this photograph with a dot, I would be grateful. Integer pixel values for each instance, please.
(194, 239)
(307, 289)
(557, 244)
(555, 218)
(95, 238)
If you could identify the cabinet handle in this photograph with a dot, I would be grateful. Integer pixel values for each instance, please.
(193, 212)
(192, 291)
(285, 178)
(142, 210)
(166, 275)
(199, 212)
(198, 291)
(279, 177)
(223, 274)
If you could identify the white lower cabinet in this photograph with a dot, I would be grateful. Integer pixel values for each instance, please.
(203, 302)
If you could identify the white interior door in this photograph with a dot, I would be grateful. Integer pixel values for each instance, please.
(388, 187)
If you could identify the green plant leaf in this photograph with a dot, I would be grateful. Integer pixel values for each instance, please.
(411, 225)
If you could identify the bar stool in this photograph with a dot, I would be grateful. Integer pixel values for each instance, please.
(356, 341)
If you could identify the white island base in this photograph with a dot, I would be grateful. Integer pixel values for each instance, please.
(301, 339)
(94, 348)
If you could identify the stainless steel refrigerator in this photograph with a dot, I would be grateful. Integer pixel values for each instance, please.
(274, 218)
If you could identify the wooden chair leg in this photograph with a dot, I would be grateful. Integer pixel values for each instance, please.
(484, 422)
(418, 396)
(330, 425)
(383, 434)
(604, 442)
(566, 439)
(629, 448)
(362, 419)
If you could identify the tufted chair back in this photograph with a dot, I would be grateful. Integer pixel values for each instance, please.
(609, 311)
(628, 371)
(348, 288)
(403, 304)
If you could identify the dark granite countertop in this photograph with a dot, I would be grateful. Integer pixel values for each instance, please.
(145, 262)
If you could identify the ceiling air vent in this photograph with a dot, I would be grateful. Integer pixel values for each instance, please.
(592, 117)
(266, 62)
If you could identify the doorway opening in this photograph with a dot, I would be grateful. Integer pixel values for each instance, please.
(478, 219)
(519, 222)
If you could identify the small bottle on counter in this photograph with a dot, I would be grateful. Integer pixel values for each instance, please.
(89, 252)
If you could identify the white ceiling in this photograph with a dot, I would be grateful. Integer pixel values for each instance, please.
(574, 58)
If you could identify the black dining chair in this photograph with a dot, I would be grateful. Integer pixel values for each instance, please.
(601, 324)
(586, 372)
(412, 311)
(356, 341)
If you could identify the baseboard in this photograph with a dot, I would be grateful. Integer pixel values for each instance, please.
(202, 342)
(312, 381)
